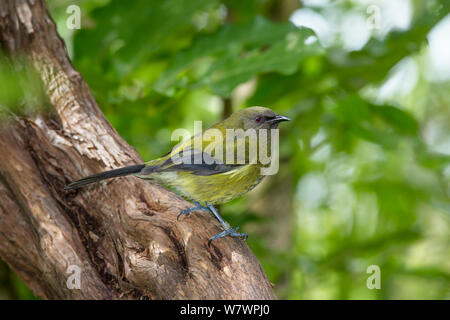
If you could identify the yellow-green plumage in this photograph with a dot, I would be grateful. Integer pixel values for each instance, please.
(219, 187)
(215, 189)
(215, 179)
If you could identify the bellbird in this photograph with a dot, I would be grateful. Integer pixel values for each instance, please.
(195, 169)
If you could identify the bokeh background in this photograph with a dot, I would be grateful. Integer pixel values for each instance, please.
(365, 164)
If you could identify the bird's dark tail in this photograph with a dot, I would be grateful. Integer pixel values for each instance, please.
(105, 175)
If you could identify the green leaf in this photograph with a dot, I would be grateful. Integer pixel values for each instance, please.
(398, 118)
(121, 37)
(238, 53)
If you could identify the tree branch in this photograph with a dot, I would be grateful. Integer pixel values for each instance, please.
(122, 233)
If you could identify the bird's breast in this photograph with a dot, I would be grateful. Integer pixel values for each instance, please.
(212, 189)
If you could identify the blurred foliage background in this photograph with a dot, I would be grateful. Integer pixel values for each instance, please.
(365, 164)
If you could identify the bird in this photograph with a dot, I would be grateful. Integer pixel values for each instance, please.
(196, 168)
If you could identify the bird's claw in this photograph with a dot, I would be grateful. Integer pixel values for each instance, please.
(184, 212)
(189, 210)
(229, 232)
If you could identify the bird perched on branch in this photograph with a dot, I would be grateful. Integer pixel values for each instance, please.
(214, 167)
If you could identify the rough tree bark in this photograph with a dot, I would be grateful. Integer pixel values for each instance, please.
(122, 233)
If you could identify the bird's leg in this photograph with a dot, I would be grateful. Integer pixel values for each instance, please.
(228, 230)
(198, 206)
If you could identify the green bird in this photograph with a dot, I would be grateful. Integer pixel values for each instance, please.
(210, 171)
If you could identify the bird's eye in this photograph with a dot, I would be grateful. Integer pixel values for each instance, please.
(258, 119)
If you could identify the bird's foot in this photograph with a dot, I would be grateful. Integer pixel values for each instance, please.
(187, 211)
(229, 232)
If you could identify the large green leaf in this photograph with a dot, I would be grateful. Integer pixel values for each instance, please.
(235, 54)
(123, 36)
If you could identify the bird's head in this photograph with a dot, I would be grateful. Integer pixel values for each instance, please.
(254, 118)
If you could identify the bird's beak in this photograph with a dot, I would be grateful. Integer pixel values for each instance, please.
(279, 119)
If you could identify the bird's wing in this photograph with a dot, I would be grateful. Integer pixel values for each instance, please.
(200, 156)
(192, 160)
